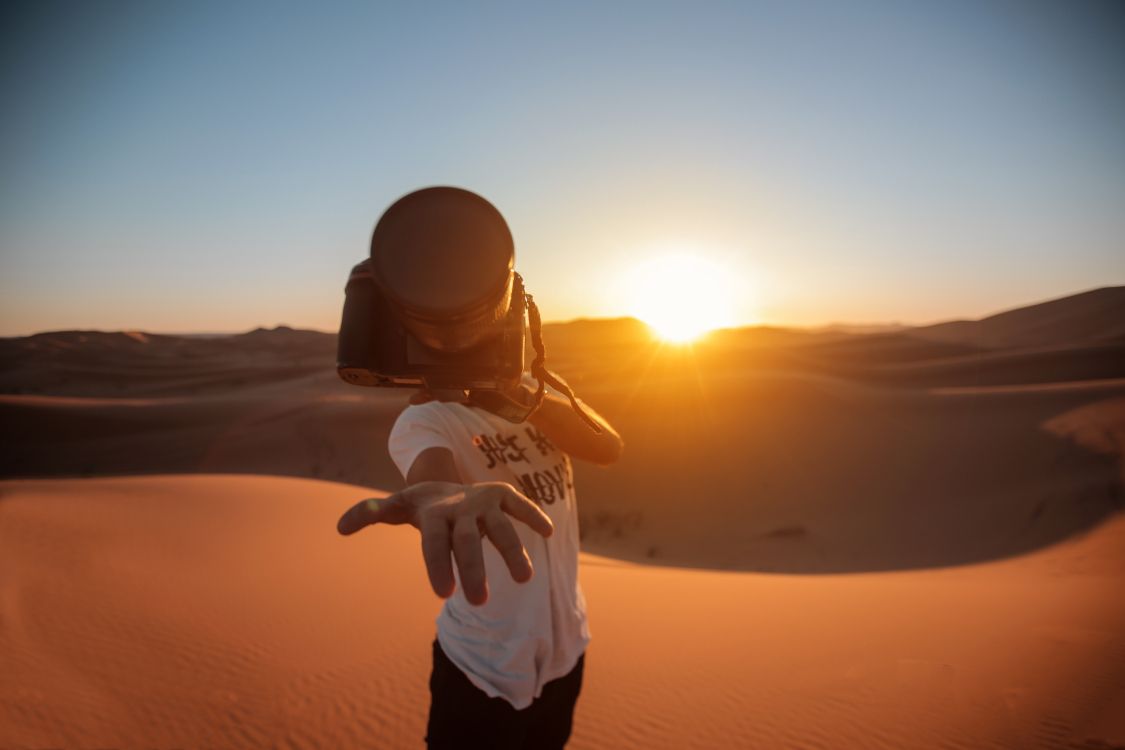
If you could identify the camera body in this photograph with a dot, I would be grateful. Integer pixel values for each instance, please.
(375, 348)
(439, 306)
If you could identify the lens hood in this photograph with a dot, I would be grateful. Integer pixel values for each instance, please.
(443, 258)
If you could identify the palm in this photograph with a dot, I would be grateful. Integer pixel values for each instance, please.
(452, 518)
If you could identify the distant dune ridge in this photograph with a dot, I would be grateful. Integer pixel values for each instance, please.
(975, 467)
(1093, 317)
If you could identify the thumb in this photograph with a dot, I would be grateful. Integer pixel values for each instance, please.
(373, 510)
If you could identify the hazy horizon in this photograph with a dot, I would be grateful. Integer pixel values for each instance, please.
(844, 324)
(216, 168)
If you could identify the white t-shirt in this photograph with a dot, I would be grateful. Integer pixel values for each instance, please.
(526, 634)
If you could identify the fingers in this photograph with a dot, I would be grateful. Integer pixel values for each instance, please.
(523, 509)
(470, 559)
(450, 524)
(507, 542)
(435, 552)
(388, 509)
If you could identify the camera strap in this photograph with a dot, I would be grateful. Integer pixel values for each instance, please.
(540, 372)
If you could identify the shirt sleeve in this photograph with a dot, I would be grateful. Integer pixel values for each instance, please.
(416, 429)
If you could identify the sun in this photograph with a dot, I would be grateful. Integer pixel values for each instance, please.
(681, 296)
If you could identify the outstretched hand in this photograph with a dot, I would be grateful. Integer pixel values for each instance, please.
(452, 518)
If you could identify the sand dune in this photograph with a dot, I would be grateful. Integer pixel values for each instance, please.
(1090, 317)
(817, 475)
(205, 611)
(783, 457)
(952, 504)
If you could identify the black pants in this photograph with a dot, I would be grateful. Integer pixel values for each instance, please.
(462, 716)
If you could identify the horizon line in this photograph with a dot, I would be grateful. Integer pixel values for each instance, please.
(875, 326)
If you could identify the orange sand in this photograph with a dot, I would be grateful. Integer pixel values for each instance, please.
(907, 539)
(201, 611)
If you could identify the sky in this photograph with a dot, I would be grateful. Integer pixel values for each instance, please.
(177, 167)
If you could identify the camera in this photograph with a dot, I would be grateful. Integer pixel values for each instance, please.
(438, 305)
(376, 349)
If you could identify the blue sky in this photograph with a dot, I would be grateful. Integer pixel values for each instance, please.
(218, 166)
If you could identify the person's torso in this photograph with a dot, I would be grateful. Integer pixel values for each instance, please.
(526, 634)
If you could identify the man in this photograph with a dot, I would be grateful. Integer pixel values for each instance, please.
(508, 657)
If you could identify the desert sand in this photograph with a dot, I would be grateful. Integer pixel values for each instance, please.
(224, 611)
(904, 539)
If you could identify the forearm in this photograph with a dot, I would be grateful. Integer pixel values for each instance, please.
(434, 465)
(557, 419)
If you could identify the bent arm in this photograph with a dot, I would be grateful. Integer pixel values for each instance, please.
(557, 420)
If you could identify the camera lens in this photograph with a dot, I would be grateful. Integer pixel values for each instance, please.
(443, 258)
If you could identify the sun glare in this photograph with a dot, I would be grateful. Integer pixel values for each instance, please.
(681, 297)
